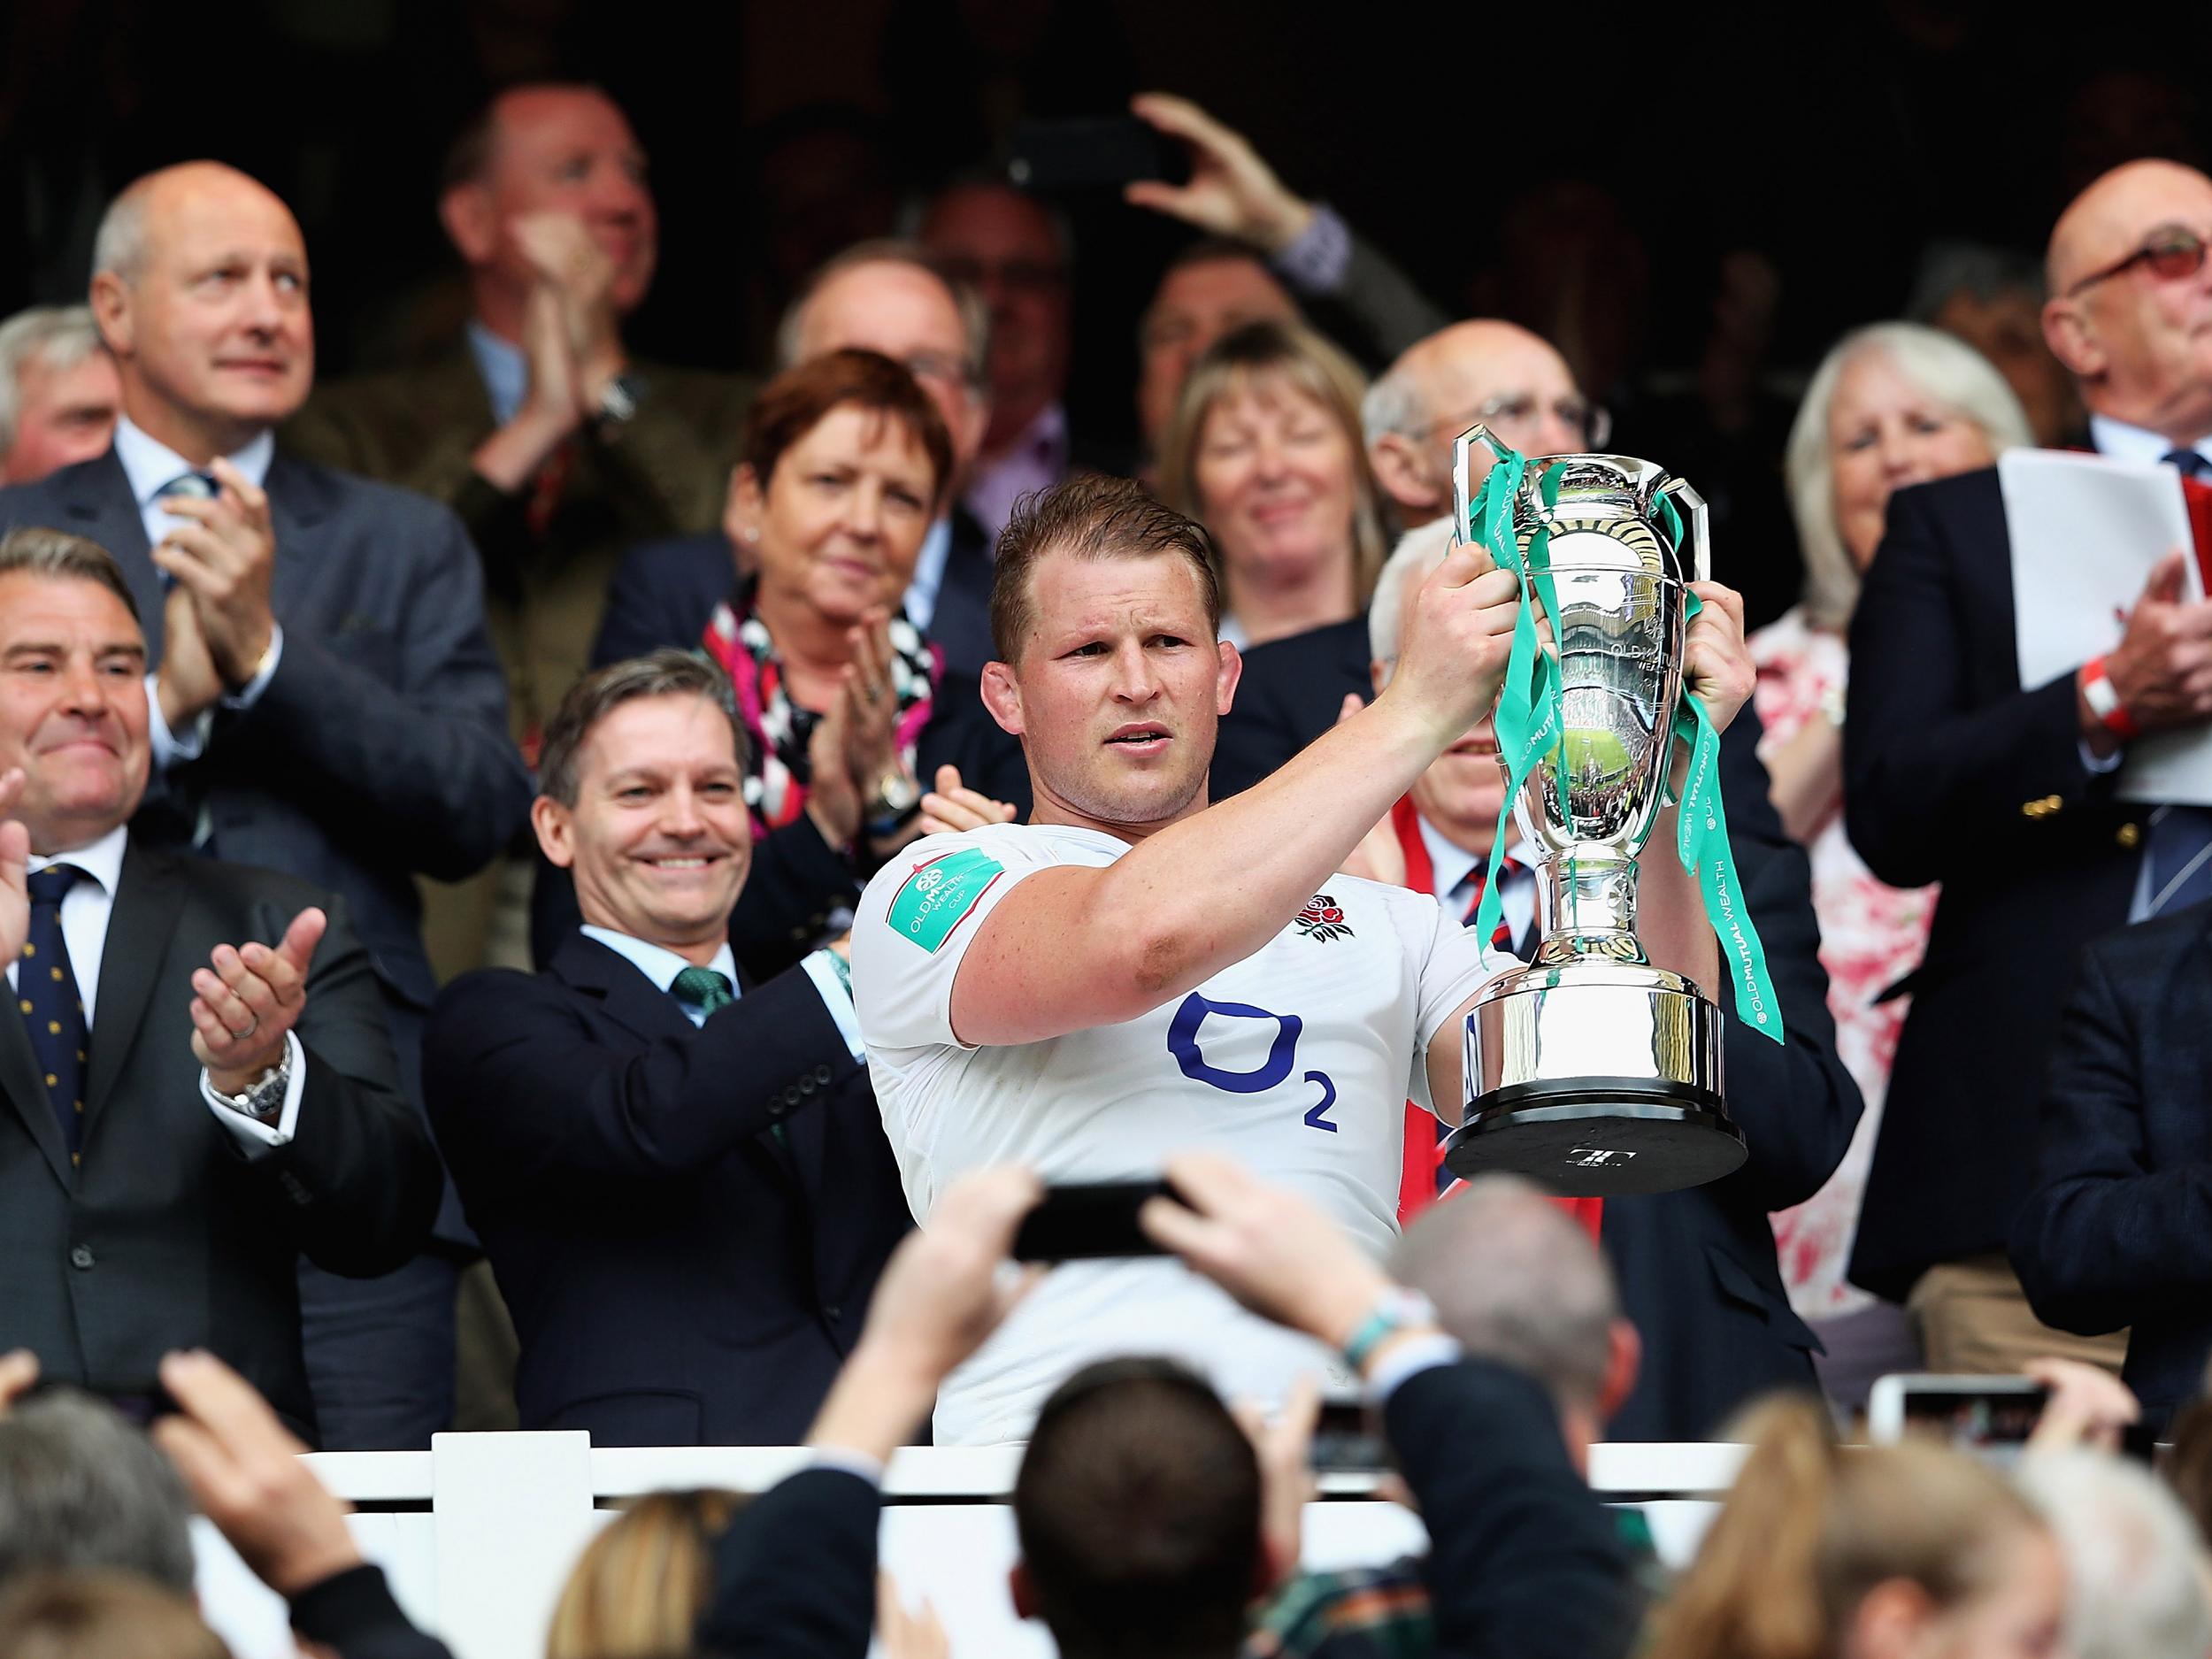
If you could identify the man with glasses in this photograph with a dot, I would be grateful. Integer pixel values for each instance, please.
(1954, 772)
(1495, 373)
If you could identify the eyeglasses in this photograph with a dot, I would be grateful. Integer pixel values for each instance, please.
(2172, 252)
(1021, 276)
(941, 367)
(1516, 413)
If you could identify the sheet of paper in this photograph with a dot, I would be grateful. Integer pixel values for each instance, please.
(2086, 532)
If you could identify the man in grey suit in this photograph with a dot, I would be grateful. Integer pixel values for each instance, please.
(325, 700)
(183, 1111)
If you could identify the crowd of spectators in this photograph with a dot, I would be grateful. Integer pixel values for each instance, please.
(547, 888)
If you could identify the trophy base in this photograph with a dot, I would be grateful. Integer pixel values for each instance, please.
(1596, 1080)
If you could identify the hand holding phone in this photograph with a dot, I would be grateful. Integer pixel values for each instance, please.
(1089, 1221)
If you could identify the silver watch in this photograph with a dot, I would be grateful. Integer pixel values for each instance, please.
(263, 1097)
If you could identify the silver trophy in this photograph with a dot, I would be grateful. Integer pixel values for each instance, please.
(1591, 1071)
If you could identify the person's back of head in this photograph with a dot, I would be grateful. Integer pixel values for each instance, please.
(101, 1616)
(2188, 1466)
(1825, 1552)
(81, 1489)
(2135, 1565)
(1517, 1280)
(640, 1586)
(1137, 1508)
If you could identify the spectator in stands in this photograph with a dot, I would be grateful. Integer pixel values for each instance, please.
(1262, 243)
(101, 1616)
(1879, 1552)
(1018, 254)
(679, 1173)
(1992, 298)
(58, 394)
(325, 701)
(2138, 1583)
(638, 1590)
(1714, 1339)
(851, 716)
(169, 1158)
(883, 296)
(1130, 1548)
(2107, 1238)
(1482, 371)
(1264, 451)
(1890, 406)
(1945, 750)
(557, 449)
(81, 1489)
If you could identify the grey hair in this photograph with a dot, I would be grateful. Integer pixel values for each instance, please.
(667, 672)
(81, 1488)
(975, 316)
(2135, 1565)
(58, 337)
(119, 246)
(1945, 368)
(1419, 550)
(1515, 1279)
(1394, 404)
(36, 551)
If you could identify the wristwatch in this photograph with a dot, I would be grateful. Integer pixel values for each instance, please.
(897, 799)
(263, 1097)
(617, 402)
(1397, 1310)
(2103, 698)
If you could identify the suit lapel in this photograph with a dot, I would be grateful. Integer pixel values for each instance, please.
(102, 508)
(26, 1089)
(149, 898)
(631, 1001)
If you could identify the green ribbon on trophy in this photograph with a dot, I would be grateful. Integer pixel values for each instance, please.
(1531, 723)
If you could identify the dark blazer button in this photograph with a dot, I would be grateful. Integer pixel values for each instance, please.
(80, 1257)
(807, 1086)
(833, 1312)
(822, 1075)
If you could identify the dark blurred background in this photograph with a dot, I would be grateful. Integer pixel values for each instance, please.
(1634, 184)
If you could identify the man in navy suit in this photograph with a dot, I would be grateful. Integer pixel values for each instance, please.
(326, 701)
(1954, 772)
(2113, 1234)
(681, 1179)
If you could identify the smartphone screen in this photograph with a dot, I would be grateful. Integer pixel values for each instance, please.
(1990, 1417)
(1111, 151)
(1091, 1221)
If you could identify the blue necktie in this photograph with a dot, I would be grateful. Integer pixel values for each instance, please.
(2178, 849)
(2189, 461)
(198, 487)
(53, 1012)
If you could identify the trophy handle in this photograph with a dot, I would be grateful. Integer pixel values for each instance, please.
(1463, 492)
(1700, 530)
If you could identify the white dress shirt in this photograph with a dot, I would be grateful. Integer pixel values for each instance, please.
(661, 966)
(151, 465)
(85, 909)
(928, 580)
(1451, 865)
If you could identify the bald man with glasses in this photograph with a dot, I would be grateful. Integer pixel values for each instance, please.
(1954, 772)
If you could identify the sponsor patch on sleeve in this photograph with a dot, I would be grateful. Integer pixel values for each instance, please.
(941, 894)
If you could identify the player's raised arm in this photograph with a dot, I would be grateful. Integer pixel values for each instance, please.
(1114, 681)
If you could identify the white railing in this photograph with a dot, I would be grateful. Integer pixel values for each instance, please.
(478, 1533)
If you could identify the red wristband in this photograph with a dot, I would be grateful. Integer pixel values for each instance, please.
(2103, 698)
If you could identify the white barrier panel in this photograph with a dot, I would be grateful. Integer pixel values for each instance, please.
(486, 1527)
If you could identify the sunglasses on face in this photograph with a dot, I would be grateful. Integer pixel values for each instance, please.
(2169, 253)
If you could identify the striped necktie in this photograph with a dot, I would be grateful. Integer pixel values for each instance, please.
(1472, 884)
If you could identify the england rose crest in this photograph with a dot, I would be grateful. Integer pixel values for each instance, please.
(1323, 918)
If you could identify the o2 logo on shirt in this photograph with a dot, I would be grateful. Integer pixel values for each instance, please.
(1282, 1055)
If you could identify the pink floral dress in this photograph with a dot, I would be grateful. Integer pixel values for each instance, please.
(1872, 935)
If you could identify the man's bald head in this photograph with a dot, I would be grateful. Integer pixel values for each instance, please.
(1440, 385)
(2140, 343)
(199, 287)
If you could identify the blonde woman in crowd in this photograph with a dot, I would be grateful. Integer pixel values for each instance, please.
(1891, 405)
(1912, 1551)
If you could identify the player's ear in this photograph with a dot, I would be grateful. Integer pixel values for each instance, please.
(555, 829)
(1227, 676)
(1002, 696)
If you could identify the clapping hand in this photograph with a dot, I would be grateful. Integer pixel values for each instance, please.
(225, 555)
(2162, 669)
(951, 807)
(573, 266)
(245, 1002)
(1233, 192)
(15, 869)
